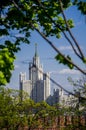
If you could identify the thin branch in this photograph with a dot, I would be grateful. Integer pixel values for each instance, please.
(78, 85)
(76, 43)
(15, 4)
(52, 45)
(72, 45)
(58, 51)
(58, 26)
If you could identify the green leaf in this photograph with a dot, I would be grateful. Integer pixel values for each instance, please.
(59, 58)
(82, 7)
(62, 60)
(84, 60)
(3, 32)
(58, 35)
(70, 23)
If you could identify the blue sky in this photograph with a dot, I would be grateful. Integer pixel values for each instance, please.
(58, 72)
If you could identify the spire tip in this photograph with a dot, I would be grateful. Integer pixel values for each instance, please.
(35, 49)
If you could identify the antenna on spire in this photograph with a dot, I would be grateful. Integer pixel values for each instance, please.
(35, 49)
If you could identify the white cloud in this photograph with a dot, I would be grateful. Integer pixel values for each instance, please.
(69, 71)
(63, 48)
(54, 72)
(65, 71)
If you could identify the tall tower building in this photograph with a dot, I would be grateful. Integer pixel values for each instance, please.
(38, 84)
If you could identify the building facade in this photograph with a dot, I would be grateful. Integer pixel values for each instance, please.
(38, 84)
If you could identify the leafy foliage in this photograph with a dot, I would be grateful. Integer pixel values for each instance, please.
(64, 61)
(46, 17)
(15, 113)
(6, 65)
(80, 92)
(81, 6)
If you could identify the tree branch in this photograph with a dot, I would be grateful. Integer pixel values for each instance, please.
(58, 26)
(15, 4)
(76, 43)
(58, 51)
(50, 43)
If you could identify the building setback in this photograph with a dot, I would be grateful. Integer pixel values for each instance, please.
(38, 85)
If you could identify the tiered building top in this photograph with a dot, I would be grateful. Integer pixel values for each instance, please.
(38, 84)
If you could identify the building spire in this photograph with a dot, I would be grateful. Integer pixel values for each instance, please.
(36, 54)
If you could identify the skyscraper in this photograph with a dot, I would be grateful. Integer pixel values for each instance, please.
(38, 84)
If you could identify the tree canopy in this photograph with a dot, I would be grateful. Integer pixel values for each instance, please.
(15, 113)
(18, 18)
(47, 18)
